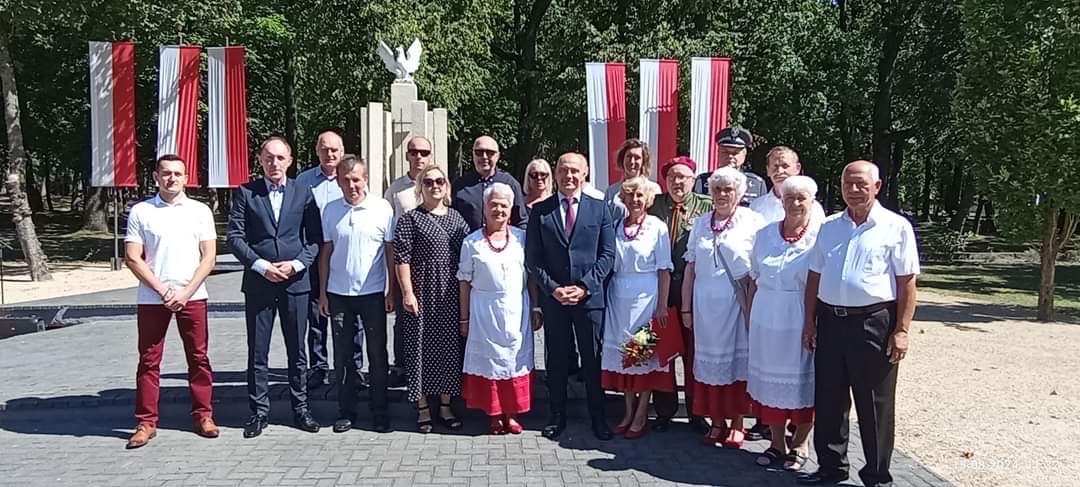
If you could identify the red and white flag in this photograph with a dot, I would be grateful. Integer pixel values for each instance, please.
(227, 117)
(605, 89)
(178, 103)
(659, 124)
(709, 86)
(112, 114)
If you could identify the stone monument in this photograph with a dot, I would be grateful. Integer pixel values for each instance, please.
(384, 134)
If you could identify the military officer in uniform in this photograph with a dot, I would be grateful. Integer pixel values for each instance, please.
(734, 144)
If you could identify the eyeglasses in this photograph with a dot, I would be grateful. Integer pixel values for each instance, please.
(433, 182)
(485, 152)
(539, 176)
(419, 152)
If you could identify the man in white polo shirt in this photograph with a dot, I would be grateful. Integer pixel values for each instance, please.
(353, 267)
(860, 300)
(170, 246)
(781, 163)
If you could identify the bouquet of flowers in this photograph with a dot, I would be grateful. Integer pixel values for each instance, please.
(640, 347)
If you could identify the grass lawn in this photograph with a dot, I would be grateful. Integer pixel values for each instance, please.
(1012, 284)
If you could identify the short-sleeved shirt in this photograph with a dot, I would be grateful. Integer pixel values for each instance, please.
(859, 263)
(170, 235)
(401, 194)
(771, 207)
(324, 188)
(469, 197)
(359, 233)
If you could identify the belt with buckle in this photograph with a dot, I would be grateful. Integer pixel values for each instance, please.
(846, 311)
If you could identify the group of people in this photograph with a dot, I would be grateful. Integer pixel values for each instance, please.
(782, 312)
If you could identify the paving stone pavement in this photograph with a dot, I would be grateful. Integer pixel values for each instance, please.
(67, 396)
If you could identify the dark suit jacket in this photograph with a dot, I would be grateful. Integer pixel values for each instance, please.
(585, 259)
(254, 234)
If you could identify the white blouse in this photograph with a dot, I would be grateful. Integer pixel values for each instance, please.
(649, 251)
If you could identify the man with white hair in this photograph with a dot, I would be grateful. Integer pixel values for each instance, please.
(860, 301)
(781, 163)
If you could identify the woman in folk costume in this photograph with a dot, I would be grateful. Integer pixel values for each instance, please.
(714, 302)
(494, 303)
(781, 380)
(639, 284)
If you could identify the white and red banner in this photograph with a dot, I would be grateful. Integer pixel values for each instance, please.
(112, 114)
(605, 89)
(227, 117)
(178, 103)
(709, 87)
(659, 123)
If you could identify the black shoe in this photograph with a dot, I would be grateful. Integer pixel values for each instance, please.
(316, 379)
(601, 431)
(759, 431)
(306, 422)
(381, 424)
(556, 425)
(450, 422)
(699, 425)
(396, 378)
(344, 424)
(255, 426)
(362, 383)
(661, 424)
(820, 478)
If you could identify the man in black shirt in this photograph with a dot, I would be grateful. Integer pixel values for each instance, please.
(734, 143)
(469, 187)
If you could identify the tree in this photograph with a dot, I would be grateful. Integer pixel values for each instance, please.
(21, 214)
(1018, 107)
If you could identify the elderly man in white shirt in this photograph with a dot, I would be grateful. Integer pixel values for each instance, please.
(860, 301)
(322, 179)
(781, 163)
(353, 269)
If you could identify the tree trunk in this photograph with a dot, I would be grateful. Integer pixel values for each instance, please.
(893, 198)
(21, 214)
(988, 226)
(1047, 263)
(95, 210)
(928, 180)
(529, 86)
(892, 36)
(290, 108)
(967, 199)
(33, 187)
(976, 227)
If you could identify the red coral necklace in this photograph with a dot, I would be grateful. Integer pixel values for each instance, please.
(487, 238)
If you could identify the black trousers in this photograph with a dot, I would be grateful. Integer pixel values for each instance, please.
(851, 360)
(318, 356)
(260, 310)
(667, 403)
(561, 325)
(346, 315)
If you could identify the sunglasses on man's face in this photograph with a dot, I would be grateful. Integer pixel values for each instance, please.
(485, 152)
(419, 152)
(539, 176)
(433, 182)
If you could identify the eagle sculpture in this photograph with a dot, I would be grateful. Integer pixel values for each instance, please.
(405, 63)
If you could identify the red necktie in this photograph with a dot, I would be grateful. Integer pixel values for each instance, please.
(570, 215)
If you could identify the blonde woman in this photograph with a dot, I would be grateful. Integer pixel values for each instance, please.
(538, 182)
(427, 245)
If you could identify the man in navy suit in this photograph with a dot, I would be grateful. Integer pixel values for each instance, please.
(275, 230)
(570, 250)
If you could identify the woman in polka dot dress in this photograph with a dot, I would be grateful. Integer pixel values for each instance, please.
(427, 244)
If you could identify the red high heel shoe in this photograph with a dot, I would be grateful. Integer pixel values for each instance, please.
(620, 429)
(728, 443)
(633, 435)
(514, 427)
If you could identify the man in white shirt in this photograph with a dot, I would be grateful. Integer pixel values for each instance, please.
(353, 268)
(322, 179)
(781, 163)
(170, 246)
(860, 300)
(402, 197)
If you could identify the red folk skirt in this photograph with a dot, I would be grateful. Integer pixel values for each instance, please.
(720, 402)
(637, 383)
(498, 397)
(770, 415)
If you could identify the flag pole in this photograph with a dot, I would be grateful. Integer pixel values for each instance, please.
(116, 229)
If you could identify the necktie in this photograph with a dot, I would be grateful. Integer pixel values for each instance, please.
(570, 215)
(676, 222)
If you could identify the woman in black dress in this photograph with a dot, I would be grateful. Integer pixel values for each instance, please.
(427, 245)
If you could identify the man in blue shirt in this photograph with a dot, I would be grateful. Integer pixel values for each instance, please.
(322, 179)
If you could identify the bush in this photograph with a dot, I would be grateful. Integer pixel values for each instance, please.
(946, 245)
